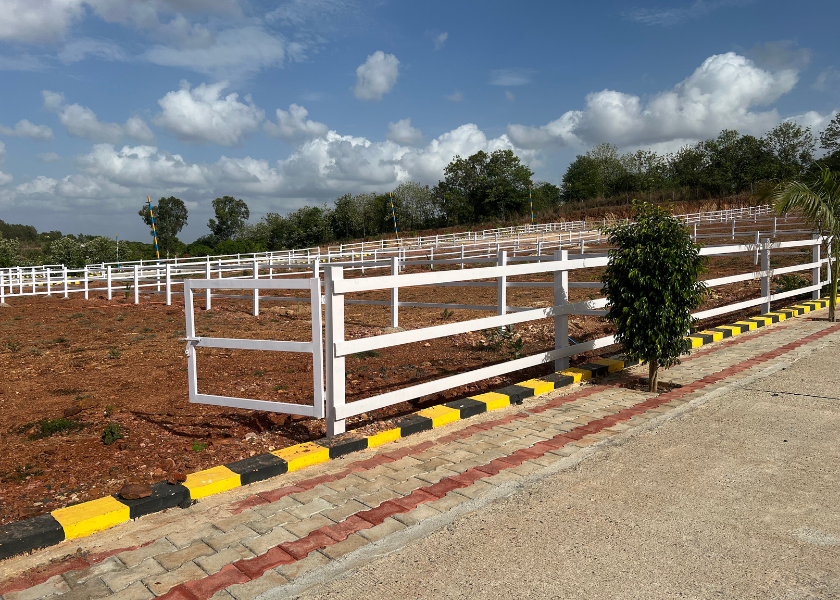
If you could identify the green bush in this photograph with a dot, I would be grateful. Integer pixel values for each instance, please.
(113, 432)
(48, 427)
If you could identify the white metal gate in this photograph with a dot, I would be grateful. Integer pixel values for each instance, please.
(314, 347)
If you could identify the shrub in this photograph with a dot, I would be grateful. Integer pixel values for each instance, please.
(48, 427)
(112, 432)
(651, 287)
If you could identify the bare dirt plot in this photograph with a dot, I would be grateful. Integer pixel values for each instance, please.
(98, 362)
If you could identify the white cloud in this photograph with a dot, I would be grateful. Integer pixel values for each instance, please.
(49, 20)
(37, 20)
(456, 96)
(49, 157)
(828, 79)
(294, 124)
(231, 53)
(403, 133)
(201, 116)
(5, 178)
(142, 165)
(440, 40)
(509, 95)
(82, 122)
(668, 17)
(376, 76)
(21, 62)
(79, 50)
(781, 54)
(24, 128)
(721, 94)
(2, 152)
(511, 77)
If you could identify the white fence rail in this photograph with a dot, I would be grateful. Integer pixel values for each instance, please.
(558, 265)
(167, 277)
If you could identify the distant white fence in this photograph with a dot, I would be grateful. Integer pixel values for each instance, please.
(166, 278)
(559, 264)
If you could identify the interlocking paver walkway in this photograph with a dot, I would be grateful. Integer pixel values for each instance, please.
(247, 541)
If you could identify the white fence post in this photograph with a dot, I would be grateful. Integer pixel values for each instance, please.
(462, 256)
(2, 288)
(256, 291)
(501, 294)
(168, 284)
(765, 277)
(108, 280)
(49, 281)
(733, 229)
(816, 272)
(136, 284)
(86, 282)
(395, 315)
(561, 322)
(66, 283)
(207, 273)
(335, 379)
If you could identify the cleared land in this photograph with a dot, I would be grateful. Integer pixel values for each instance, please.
(96, 362)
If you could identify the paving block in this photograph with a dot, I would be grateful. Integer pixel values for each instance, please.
(275, 537)
(136, 591)
(307, 526)
(298, 568)
(421, 513)
(122, 579)
(387, 527)
(214, 562)
(246, 591)
(76, 577)
(173, 560)
(135, 557)
(53, 585)
(163, 582)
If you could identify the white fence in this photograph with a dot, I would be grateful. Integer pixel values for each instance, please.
(166, 278)
(558, 265)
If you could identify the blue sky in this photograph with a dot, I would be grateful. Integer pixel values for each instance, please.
(288, 103)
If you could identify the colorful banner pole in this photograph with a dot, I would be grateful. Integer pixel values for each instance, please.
(118, 250)
(154, 232)
(531, 200)
(394, 215)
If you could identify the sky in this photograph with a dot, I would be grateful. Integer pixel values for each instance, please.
(283, 104)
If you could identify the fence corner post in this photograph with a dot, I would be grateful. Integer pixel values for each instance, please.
(561, 322)
(765, 274)
(335, 367)
(110, 281)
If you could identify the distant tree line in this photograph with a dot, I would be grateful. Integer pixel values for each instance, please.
(727, 165)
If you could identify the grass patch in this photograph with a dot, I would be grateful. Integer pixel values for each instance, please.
(114, 353)
(279, 388)
(65, 391)
(259, 373)
(21, 473)
(366, 354)
(198, 446)
(76, 315)
(48, 427)
(13, 346)
(34, 352)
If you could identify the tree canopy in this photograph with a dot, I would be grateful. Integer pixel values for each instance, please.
(651, 287)
(231, 215)
(170, 218)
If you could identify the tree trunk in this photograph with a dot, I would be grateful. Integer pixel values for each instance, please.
(653, 374)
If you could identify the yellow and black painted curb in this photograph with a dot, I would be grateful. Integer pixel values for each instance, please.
(89, 517)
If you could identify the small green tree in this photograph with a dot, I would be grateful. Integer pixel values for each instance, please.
(651, 287)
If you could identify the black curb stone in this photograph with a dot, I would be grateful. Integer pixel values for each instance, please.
(468, 407)
(516, 393)
(346, 443)
(259, 467)
(163, 496)
(29, 534)
(414, 424)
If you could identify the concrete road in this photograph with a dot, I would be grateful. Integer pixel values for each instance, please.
(736, 498)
